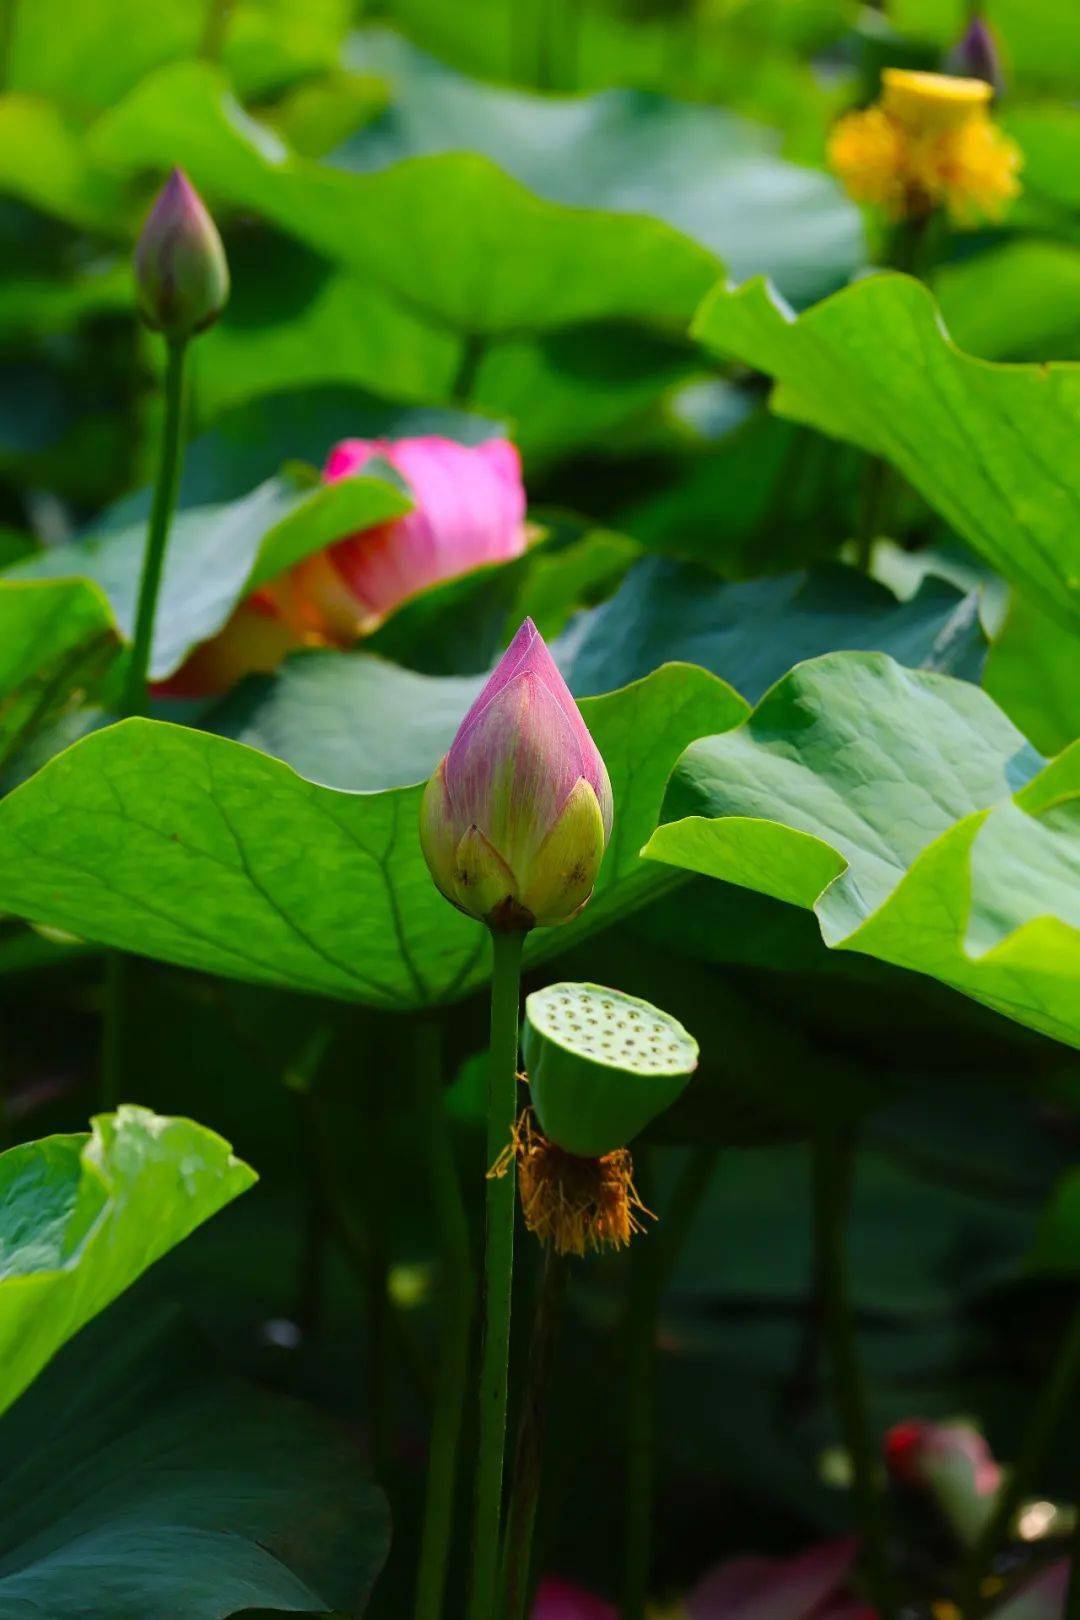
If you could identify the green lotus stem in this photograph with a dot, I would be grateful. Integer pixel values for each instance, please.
(215, 29)
(653, 1261)
(1050, 1407)
(133, 697)
(833, 1165)
(529, 1452)
(498, 1273)
(457, 1311)
(472, 353)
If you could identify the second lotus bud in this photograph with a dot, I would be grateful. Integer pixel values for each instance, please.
(181, 274)
(516, 818)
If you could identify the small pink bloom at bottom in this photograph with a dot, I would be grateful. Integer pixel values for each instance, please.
(561, 1600)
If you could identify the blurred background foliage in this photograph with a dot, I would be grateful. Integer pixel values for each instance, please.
(443, 217)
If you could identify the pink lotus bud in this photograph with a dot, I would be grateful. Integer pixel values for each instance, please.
(515, 820)
(953, 1463)
(976, 56)
(469, 509)
(809, 1585)
(559, 1600)
(181, 274)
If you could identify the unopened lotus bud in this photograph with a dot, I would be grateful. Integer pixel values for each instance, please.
(953, 1464)
(516, 818)
(181, 273)
(601, 1065)
(976, 56)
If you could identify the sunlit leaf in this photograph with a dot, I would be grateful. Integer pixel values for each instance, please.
(81, 1217)
(200, 851)
(618, 152)
(911, 816)
(57, 639)
(506, 259)
(1032, 671)
(217, 554)
(990, 446)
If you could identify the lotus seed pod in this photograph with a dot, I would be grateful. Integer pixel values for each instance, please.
(601, 1065)
(181, 273)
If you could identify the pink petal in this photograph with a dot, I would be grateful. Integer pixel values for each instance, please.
(469, 509)
(559, 1600)
(526, 705)
(773, 1589)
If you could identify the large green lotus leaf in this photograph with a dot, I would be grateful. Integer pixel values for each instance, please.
(751, 632)
(987, 305)
(195, 849)
(88, 56)
(82, 1216)
(459, 240)
(462, 625)
(755, 495)
(1048, 134)
(990, 446)
(909, 813)
(573, 387)
(619, 151)
(57, 639)
(217, 554)
(358, 723)
(140, 1484)
(745, 57)
(1033, 671)
(36, 305)
(44, 162)
(326, 715)
(293, 321)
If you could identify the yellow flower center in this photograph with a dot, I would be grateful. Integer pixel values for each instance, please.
(928, 103)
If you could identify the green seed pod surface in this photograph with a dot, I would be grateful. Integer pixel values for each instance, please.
(601, 1065)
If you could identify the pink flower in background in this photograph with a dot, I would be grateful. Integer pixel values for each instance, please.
(1041, 1598)
(469, 509)
(559, 1600)
(810, 1586)
(953, 1464)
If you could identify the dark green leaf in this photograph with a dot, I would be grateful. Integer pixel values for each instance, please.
(139, 1485)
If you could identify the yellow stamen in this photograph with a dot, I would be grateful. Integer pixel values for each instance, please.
(931, 102)
(574, 1204)
(929, 143)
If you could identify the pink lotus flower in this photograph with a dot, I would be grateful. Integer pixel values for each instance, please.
(1041, 1598)
(953, 1463)
(559, 1600)
(469, 509)
(810, 1586)
(516, 818)
(181, 274)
